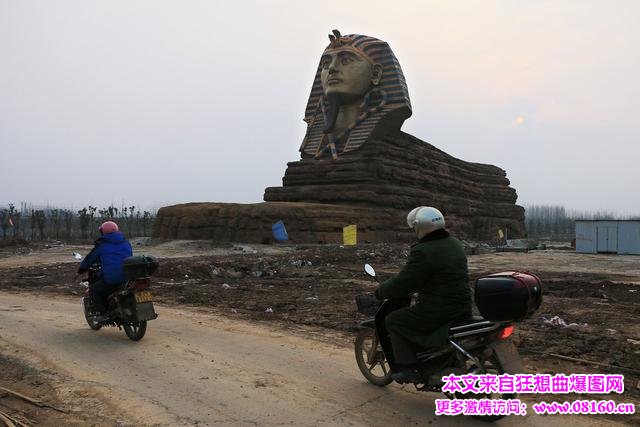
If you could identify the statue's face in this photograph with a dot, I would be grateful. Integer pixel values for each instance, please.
(346, 73)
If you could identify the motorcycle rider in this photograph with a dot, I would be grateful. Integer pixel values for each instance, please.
(437, 270)
(109, 250)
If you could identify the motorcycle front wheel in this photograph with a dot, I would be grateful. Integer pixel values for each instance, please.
(370, 358)
(135, 331)
(88, 314)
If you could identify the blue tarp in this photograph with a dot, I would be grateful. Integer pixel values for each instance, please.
(279, 232)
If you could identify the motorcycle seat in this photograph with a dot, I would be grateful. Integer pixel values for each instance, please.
(115, 291)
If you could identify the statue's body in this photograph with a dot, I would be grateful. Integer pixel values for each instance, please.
(359, 86)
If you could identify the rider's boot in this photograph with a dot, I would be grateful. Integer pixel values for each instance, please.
(100, 318)
(407, 375)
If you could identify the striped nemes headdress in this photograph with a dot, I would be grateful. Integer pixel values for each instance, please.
(396, 106)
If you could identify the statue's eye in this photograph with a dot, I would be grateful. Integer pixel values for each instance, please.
(325, 63)
(346, 60)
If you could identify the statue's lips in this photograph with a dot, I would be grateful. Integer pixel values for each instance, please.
(334, 80)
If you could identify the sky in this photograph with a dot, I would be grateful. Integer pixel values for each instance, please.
(157, 102)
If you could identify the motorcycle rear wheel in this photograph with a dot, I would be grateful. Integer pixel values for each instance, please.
(370, 358)
(135, 331)
(88, 316)
(490, 365)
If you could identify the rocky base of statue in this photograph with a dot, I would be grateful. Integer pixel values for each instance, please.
(401, 172)
(305, 222)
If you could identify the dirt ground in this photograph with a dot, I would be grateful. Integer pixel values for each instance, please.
(59, 404)
(315, 285)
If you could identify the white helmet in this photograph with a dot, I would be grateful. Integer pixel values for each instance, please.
(424, 220)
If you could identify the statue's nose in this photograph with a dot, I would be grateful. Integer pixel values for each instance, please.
(332, 65)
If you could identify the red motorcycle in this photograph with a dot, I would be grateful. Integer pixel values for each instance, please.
(476, 345)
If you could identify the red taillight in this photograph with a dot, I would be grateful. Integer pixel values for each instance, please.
(506, 332)
(141, 283)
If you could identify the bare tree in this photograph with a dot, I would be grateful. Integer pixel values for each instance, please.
(4, 222)
(55, 218)
(85, 220)
(41, 222)
(67, 215)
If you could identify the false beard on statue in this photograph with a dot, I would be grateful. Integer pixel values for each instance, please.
(334, 101)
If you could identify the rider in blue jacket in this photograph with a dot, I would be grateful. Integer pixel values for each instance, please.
(109, 251)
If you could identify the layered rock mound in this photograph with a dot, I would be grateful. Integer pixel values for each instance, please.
(305, 222)
(400, 172)
(373, 187)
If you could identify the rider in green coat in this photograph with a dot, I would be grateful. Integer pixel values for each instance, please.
(437, 271)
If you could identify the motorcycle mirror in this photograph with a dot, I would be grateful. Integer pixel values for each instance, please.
(77, 256)
(369, 270)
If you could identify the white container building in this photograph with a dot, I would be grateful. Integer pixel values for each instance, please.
(608, 236)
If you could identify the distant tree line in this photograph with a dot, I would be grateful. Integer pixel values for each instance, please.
(48, 223)
(556, 223)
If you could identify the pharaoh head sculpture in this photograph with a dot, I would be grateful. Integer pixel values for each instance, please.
(358, 93)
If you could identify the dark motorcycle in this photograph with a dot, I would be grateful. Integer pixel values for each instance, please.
(476, 345)
(129, 306)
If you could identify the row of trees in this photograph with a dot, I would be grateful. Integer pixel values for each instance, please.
(34, 223)
(555, 222)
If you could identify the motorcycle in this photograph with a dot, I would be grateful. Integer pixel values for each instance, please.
(130, 305)
(476, 345)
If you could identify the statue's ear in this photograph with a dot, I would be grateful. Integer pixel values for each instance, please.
(376, 74)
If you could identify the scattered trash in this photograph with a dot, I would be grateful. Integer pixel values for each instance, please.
(269, 310)
(528, 244)
(257, 273)
(301, 263)
(558, 321)
(233, 274)
(632, 341)
(600, 294)
(311, 298)
(279, 232)
(186, 276)
(350, 235)
(225, 286)
(633, 290)
(611, 331)
(233, 310)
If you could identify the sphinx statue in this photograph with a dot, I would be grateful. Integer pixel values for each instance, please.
(356, 166)
(358, 92)
(354, 152)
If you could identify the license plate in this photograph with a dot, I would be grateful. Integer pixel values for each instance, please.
(144, 296)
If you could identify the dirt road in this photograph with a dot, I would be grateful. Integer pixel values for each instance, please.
(197, 368)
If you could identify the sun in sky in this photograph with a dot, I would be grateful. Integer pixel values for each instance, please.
(519, 120)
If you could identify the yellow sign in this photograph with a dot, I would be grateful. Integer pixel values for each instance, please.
(350, 235)
(500, 233)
